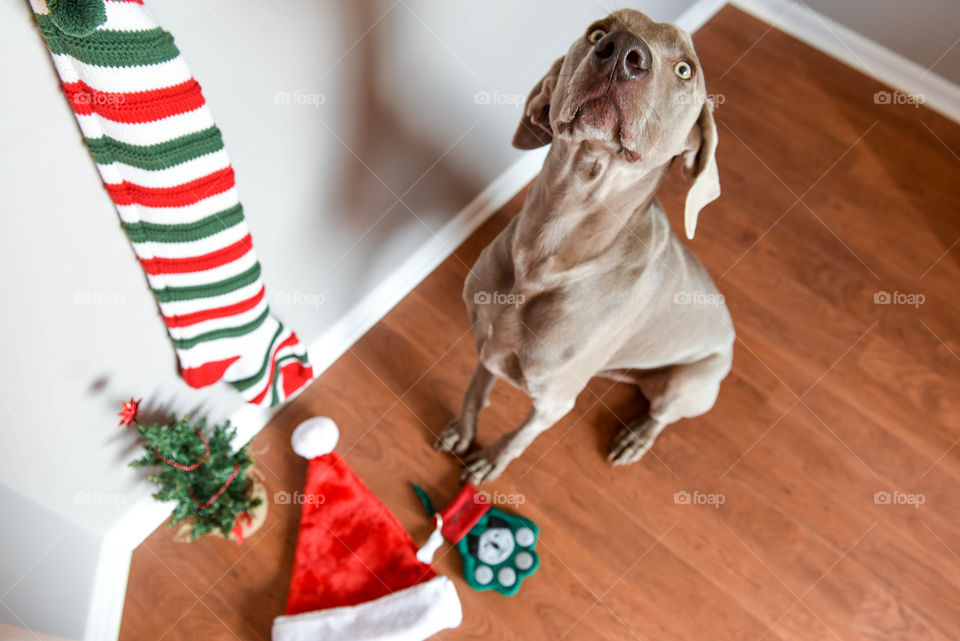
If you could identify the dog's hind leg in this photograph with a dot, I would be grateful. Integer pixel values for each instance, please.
(681, 391)
(459, 432)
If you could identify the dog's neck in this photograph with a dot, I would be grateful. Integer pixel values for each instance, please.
(580, 203)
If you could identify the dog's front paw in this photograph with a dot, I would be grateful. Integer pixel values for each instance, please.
(633, 441)
(484, 465)
(452, 440)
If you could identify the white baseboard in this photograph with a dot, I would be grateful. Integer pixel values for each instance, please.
(799, 21)
(859, 52)
(113, 566)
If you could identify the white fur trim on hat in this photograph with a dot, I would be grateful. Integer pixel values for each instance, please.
(315, 437)
(412, 614)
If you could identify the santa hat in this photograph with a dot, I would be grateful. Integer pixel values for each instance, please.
(356, 574)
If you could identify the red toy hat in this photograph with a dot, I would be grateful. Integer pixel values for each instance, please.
(356, 574)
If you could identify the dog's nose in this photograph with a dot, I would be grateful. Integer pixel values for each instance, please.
(622, 54)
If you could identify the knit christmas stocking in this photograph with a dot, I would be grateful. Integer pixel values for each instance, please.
(163, 163)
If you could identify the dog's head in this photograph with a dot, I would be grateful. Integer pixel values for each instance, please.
(637, 86)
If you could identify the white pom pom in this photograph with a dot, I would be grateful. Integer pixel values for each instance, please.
(315, 437)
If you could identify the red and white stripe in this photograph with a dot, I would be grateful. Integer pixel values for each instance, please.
(145, 105)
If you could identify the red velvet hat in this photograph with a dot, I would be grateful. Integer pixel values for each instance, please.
(356, 574)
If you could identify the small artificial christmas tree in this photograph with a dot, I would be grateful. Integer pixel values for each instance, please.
(200, 471)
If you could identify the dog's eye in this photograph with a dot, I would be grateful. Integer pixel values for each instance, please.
(596, 35)
(683, 70)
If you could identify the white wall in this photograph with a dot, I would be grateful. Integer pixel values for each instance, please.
(45, 569)
(320, 185)
(924, 31)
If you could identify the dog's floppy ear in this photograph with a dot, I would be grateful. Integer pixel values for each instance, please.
(534, 130)
(700, 164)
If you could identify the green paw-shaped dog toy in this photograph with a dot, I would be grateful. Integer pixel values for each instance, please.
(496, 547)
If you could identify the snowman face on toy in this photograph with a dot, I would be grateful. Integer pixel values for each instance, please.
(498, 552)
(495, 545)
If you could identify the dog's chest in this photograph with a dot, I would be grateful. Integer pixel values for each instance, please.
(552, 319)
(542, 306)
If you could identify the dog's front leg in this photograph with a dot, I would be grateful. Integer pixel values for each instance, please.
(459, 432)
(489, 462)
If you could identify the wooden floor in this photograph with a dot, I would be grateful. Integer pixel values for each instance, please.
(828, 199)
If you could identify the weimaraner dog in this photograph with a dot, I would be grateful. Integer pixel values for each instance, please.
(588, 279)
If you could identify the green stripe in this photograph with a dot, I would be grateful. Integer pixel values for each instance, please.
(303, 358)
(162, 155)
(275, 398)
(247, 383)
(111, 48)
(226, 332)
(170, 294)
(141, 232)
